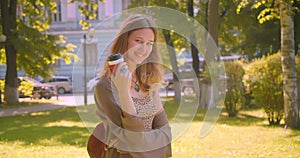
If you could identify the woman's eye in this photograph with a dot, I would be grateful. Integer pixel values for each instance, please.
(139, 41)
(150, 43)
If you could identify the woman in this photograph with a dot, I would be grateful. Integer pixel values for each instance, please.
(134, 123)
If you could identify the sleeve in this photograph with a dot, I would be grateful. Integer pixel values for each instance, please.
(108, 103)
(160, 120)
(129, 131)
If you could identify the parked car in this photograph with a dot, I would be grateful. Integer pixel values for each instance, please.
(40, 90)
(63, 84)
(186, 84)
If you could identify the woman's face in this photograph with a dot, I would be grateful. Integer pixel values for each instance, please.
(140, 43)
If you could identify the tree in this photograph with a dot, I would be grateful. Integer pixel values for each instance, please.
(29, 46)
(283, 10)
(241, 33)
(213, 19)
(288, 65)
(8, 14)
(172, 53)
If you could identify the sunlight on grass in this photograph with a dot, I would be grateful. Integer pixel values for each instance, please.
(236, 141)
(65, 124)
(39, 113)
(15, 149)
(62, 134)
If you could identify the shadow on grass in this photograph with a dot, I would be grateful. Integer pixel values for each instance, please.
(56, 127)
(242, 119)
(294, 136)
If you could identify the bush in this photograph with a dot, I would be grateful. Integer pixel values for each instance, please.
(235, 89)
(264, 79)
(25, 88)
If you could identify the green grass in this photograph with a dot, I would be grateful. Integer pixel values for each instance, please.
(62, 134)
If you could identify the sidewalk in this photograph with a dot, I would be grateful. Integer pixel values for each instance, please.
(68, 100)
(35, 108)
(28, 109)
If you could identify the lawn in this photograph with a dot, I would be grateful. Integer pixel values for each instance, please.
(61, 134)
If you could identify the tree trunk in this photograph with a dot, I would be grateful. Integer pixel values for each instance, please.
(288, 65)
(297, 31)
(176, 85)
(8, 17)
(194, 49)
(213, 21)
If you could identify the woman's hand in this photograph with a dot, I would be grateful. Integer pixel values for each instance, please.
(122, 78)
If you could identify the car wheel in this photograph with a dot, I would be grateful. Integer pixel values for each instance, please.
(61, 90)
(37, 96)
(48, 97)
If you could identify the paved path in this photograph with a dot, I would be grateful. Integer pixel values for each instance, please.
(28, 109)
(66, 101)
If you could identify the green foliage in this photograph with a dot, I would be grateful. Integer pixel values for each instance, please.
(36, 13)
(264, 79)
(257, 39)
(36, 49)
(268, 14)
(2, 56)
(26, 88)
(31, 51)
(179, 41)
(235, 92)
(2, 84)
(268, 9)
(265, 33)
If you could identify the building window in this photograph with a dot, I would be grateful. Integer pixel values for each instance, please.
(93, 8)
(57, 16)
(91, 56)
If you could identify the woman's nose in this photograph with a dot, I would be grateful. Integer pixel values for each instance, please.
(143, 47)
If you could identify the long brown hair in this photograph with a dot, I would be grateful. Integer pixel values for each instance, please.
(150, 71)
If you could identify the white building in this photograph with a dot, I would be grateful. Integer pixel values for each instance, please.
(66, 22)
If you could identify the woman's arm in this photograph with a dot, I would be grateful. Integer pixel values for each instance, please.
(132, 136)
(122, 80)
(108, 104)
